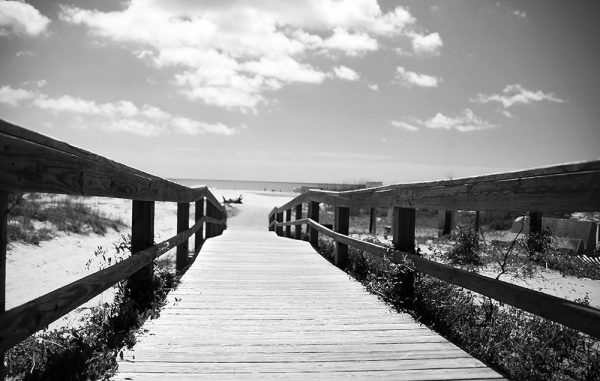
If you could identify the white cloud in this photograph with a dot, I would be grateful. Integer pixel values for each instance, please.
(516, 94)
(232, 54)
(410, 78)
(346, 73)
(373, 86)
(427, 44)
(467, 121)
(122, 115)
(25, 53)
(20, 18)
(353, 44)
(520, 14)
(404, 125)
(14, 97)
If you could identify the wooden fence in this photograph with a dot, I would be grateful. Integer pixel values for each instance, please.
(562, 188)
(30, 162)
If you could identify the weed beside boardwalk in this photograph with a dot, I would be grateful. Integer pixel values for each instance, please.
(90, 352)
(518, 344)
(67, 215)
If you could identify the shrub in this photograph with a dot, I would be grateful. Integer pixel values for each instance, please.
(466, 251)
(518, 344)
(89, 352)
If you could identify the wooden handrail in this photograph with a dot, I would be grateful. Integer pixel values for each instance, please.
(571, 314)
(20, 322)
(31, 162)
(562, 188)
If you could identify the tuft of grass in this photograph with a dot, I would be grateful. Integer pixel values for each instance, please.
(66, 215)
(466, 251)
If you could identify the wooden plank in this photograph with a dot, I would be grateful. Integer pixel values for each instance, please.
(288, 217)
(574, 315)
(20, 322)
(183, 224)
(372, 221)
(535, 222)
(3, 243)
(298, 228)
(342, 225)
(256, 305)
(561, 188)
(142, 237)
(403, 229)
(446, 222)
(313, 214)
(199, 236)
(279, 218)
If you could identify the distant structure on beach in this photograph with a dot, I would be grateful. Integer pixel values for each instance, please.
(340, 187)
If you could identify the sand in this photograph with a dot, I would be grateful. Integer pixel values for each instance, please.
(35, 270)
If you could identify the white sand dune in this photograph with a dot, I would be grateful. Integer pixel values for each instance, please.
(33, 270)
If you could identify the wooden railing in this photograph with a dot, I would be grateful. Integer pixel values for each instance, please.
(30, 162)
(562, 188)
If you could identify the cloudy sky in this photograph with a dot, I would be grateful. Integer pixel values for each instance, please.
(316, 90)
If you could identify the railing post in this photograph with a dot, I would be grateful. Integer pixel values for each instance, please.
(183, 224)
(403, 226)
(3, 243)
(142, 237)
(372, 221)
(535, 222)
(313, 214)
(341, 225)
(211, 211)
(279, 229)
(288, 218)
(446, 221)
(477, 221)
(298, 228)
(199, 237)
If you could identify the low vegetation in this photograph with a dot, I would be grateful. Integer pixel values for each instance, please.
(518, 344)
(31, 219)
(89, 352)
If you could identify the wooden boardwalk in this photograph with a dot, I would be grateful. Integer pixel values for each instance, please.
(257, 306)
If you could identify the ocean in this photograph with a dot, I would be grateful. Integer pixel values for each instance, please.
(275, 186)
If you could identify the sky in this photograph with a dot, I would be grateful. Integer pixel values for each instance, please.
(308, 91)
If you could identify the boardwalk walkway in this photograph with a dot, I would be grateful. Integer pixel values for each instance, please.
(258, 306)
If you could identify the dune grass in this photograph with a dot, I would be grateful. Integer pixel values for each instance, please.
(32, 218)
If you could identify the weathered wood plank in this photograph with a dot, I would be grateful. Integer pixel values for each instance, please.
(253, 304)
(341, 226)
(183, 224)
(20, 322)
(298, 216)
(142, 237)
(31, 162)
(561, 188)
(574, 315)
(3, 243)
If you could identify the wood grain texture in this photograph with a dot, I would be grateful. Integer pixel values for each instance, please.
(561, 188)
(31, 162)
(256, 306)
(574, 315)
(183, 224)
(18, 323)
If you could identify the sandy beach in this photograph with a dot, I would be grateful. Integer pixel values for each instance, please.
(35, 270)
